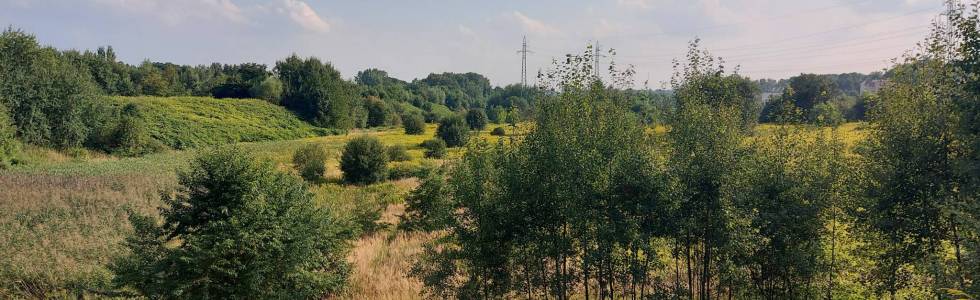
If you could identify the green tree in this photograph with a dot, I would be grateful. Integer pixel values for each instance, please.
(236, 228)
(454, 131)
(434, 148)
(311, 161)
(316, 91)
(477, 119)
(414, 124)
(364, 160)
(131, 137)
(9, 145)
(269, 89)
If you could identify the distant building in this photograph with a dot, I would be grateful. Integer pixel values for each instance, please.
(872, 86)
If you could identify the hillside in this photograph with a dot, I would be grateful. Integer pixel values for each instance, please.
(189, 122)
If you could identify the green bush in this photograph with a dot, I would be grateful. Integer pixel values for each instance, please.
(414, 124)
(428, 207)
(311, 161)
(131, 137)
(398, 153)
(364, 161)
(237, 228)
(269, 89)
(9, 146)
(409, 169)
(476, 119)
(434, 148)
(825, 114)
(454, 131)
(499, 131)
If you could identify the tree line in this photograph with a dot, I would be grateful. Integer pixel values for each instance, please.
(589, 204)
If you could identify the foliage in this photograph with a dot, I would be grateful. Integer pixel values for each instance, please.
(311, 161)
(379, 113)
(236, 228)
(190, 122)
(269, 89)
(560, 209)
(397, 153)
(413, 123)
(46, 93)
(825, 114)
(454, 131)
(131, 137)
(429, 207)
(434, 148)
(499, 131)
(316, 91)
(702, 81)
(364, 161)
(9, 145)
(476, 119)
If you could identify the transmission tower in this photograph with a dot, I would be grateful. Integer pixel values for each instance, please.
(524, 51)
(596, 54)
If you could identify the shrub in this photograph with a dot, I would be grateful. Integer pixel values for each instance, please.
(414, 124)
(434, 148)
(409, 169)
(364, 161)
(240, 229)
(131, 137)
(398, 153)
(499, 131)
(825, 114)
(269, 89)
(9, 146)
(454, 131)
(378, 112)
(428, 207)
(310, 160)
(476, 119)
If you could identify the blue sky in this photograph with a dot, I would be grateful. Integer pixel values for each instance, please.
(766, 38)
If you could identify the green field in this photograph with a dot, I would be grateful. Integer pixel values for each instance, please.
(190, 122)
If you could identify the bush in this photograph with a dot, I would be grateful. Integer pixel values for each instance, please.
(454, 131)
(131, 137)
(414, 124)
(428, 207)
(408, 169)
(240, 229)
(378, 113)
(310, 161)
(499, 131)
(364, 161)
(434, 148)
(269, 89)
(825, 114)
(398, 153)
(476, 119)
(9, 146)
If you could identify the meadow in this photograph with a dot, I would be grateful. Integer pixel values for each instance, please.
(63, 218)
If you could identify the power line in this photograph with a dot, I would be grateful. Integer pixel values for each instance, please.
(524, 51)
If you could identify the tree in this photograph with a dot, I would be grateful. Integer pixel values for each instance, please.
(311, 161)
(811, 89)
(131, 137)
(825, 114)
(9, 146)
(414, 124)
(428, 207)
(454, 131)
(364, 161)
(316, 91)
(379, 114)
(269, 89)
(236, 228)
(705, 83)
(434, 148)
(476, 119)
(46, 93)
(573, 204)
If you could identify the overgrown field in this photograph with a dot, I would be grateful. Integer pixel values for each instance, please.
(188, 122)
(62, 219)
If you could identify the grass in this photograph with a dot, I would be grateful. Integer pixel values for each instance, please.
(62, 218)
(190, 122)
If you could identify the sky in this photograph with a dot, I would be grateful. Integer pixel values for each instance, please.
(412, 38)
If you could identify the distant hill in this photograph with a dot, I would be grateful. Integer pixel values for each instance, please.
(189, 122)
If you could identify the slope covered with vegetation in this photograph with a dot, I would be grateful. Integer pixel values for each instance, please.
(189, 122)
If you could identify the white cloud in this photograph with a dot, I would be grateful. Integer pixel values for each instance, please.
(174, 12)
(466, 30)
(534, 26)
(305, 16)
(641, 4)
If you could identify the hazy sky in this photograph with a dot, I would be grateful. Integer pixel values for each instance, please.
(411, 38)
